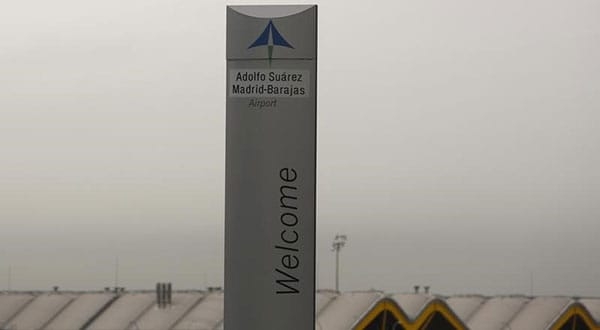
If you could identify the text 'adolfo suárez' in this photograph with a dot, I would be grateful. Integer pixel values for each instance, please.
(269, 83)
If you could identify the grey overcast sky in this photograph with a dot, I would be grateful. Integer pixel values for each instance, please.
(459, 144)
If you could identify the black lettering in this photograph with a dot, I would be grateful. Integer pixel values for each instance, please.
(289, 261)
(284, 174)
(288, 283)
(293, 222)
(289, 241)
(284, 283)
(285, 197)
(286, 248)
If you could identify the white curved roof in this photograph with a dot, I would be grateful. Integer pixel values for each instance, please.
(539, 313)
(11, 304)
(79, 311)
(163, 318)
(465, 306)
(40, 311)
(593, 306)
(124, 312)
(199, 310)
(497, 313)
(412, 304)
(207, 313)
(347, 309)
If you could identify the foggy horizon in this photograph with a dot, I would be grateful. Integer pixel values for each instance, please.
(458, 145)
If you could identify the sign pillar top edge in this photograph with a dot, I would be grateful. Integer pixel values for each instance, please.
(270, 11)
(297, 23)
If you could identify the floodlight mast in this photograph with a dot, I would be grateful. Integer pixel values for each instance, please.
(9, 277)
(338, 243)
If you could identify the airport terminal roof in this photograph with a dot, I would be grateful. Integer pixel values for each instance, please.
(360, 310)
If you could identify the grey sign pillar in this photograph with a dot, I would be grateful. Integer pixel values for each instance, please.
(270, 167)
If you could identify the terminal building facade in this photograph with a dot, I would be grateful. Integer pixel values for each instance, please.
(162, 309)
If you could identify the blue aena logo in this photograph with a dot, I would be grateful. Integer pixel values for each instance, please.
(270, 37)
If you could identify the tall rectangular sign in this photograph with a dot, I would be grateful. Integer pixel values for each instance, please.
(270, 167)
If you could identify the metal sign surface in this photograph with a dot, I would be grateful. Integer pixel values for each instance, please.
(270, 168)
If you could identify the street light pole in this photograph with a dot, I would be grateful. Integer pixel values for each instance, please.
(338, 243)
(9, 277)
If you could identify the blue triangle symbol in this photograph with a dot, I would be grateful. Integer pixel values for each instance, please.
(263, 39)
